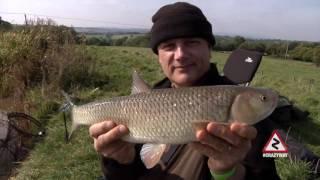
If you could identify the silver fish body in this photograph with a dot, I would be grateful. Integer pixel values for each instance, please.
(170, 116)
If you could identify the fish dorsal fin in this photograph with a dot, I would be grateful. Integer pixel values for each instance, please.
(138, 84)
(151, 154)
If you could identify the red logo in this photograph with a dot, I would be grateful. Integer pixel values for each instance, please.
(275, 147)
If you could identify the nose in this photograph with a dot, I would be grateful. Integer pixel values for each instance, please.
(180, 52)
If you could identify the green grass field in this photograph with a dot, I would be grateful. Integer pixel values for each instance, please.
(54, 159)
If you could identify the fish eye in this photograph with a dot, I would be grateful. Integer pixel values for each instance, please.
(263, 98)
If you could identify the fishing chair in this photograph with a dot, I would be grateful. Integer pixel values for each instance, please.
(241, 66)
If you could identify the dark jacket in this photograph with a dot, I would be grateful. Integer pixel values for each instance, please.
(183, 163)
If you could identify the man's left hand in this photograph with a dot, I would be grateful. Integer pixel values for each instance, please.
(225, 145)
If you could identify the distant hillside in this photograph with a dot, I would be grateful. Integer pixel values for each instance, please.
(102, 30)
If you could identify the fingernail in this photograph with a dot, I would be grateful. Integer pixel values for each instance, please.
(122, 129)
(200, 135)
(210, 127)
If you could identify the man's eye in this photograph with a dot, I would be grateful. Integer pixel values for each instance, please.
(167, 47)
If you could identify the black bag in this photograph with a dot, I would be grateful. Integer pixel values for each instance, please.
(286, 112)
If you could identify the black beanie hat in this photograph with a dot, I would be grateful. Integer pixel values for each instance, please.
(179, 20)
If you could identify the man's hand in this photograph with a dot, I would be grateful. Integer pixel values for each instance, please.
(107, 141)
(225, 145)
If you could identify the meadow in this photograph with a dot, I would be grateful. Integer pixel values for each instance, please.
(53, 158)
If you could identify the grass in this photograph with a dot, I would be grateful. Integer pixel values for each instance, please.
(55, 159)
(293, 169)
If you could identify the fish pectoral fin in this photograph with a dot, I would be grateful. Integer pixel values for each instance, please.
(138, 84)
(152, 153)
(203, 125)
(199, 125)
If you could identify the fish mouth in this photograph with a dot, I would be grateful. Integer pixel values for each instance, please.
(275, 99)
(274, 105)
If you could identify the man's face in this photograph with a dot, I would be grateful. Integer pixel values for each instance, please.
(184, 60)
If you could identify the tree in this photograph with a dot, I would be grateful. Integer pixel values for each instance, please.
(253, 46)
(225, 44)
(275, 49)
(4, 25)
(308, 55)
(93, 41)
(120, 41)
(293, 45)
(138, 41)
(316, 56)
(302, 53)
(238, 40)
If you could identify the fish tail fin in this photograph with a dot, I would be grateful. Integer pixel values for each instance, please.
(68, 106)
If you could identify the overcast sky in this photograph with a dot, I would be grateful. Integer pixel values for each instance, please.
(280, 19)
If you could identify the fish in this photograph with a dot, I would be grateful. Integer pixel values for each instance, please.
(160, 117)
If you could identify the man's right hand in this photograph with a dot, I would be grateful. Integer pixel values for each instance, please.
(107, 141)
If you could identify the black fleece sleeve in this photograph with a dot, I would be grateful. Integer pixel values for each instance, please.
(112, 170)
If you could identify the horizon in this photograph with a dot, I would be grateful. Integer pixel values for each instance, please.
(248, 18)
(216, 34)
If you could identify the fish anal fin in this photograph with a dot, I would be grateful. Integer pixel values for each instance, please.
(151, 154)
(74, 127)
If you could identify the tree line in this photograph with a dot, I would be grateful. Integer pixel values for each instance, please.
(297, 50)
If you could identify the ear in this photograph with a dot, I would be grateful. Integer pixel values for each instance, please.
(210, 48)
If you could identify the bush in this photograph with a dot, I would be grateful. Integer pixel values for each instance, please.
(302, 53)
(138, 41)
(99, 41)
(40, 55)
(316, 56)
(120, 41)
(253, 46)
(276, 49)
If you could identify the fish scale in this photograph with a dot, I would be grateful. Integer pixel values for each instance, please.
(170, 115)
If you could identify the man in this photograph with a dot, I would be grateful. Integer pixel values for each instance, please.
(182, 38)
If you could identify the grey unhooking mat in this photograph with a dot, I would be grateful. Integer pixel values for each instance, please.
(7, 145)
(18, 133)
